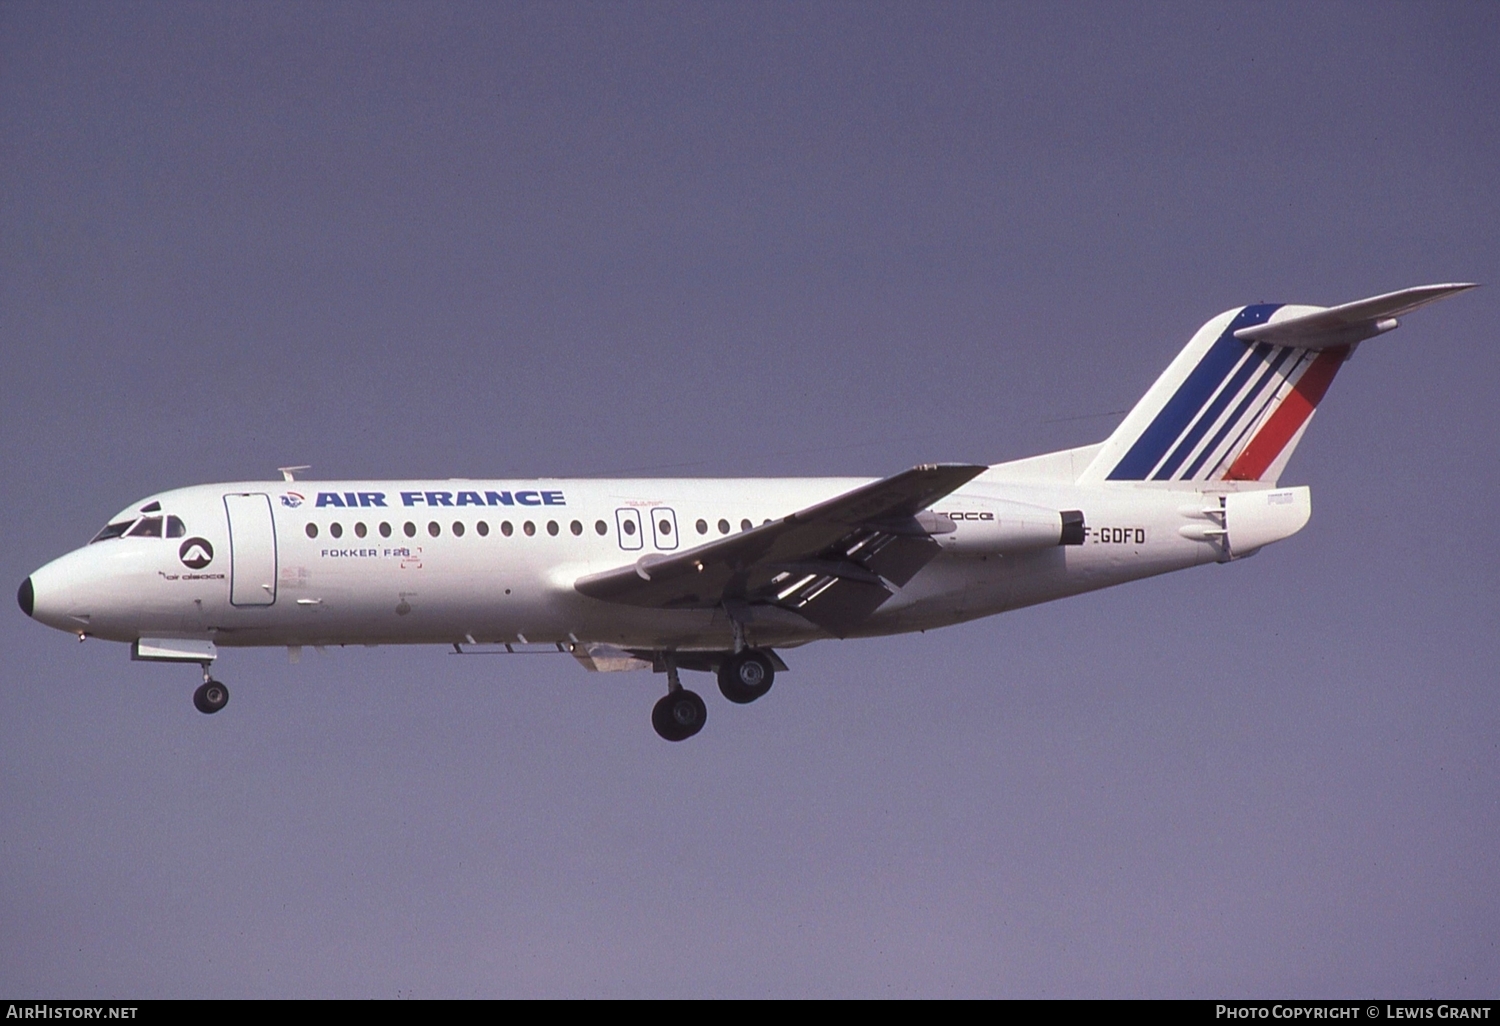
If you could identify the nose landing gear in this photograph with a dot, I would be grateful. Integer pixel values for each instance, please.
(211, 695)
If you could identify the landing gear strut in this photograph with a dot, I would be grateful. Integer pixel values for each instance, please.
(211, 695)
(681, 713)
(745, 676)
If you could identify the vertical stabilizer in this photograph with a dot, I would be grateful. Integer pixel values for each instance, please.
(1236, 401)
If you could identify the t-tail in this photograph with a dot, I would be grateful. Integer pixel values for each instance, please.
(1236, 401)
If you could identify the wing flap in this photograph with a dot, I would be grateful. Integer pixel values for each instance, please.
(899, 559)
(843, 605)
(828, 562)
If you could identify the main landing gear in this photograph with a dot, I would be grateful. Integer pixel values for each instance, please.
(211, 695)
(680, 714)
(743, 677)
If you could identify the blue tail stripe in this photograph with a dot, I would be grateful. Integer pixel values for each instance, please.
(1189, 398)
(1239, 413)
(1206, 420)
(1268, 400)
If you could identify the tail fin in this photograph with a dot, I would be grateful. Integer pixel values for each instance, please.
(1236, 401)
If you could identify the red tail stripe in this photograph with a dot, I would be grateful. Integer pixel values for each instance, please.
(1288, 418)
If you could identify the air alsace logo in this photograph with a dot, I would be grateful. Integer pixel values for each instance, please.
(196, 553)
(292, 500)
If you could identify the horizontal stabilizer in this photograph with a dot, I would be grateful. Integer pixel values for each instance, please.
(1312, 327)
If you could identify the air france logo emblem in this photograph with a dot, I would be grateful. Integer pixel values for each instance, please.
(196, 553)
(292, 500)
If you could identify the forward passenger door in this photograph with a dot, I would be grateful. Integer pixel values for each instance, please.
(252, 549)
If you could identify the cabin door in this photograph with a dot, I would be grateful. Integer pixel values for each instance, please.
(252, 550)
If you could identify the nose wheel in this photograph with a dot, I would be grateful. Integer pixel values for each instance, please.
(211, 695)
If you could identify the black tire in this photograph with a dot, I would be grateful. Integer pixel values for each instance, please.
(745, 677)
(210, 697)
(679, 715)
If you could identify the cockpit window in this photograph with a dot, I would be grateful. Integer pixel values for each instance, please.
(112, 531)
(146, 527)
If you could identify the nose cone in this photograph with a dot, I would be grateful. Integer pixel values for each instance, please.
(64, 593)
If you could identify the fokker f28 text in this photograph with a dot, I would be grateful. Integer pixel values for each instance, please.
(716, 575)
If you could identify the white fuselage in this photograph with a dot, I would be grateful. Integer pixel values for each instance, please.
(713, 575)
(459, 561)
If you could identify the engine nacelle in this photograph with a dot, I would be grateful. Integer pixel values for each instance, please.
(994, 527)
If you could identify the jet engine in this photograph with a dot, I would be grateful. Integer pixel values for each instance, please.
(996, 527)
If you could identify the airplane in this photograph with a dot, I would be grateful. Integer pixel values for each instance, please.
(716, 575)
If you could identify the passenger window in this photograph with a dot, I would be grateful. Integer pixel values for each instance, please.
(433, 528)
(360, 530)
(146, 527)
(175, 527)
(312, 530)
(385, 529)
(702, 526)
(552, 528)
(744, 525)
(664, 526)
(336, 529)
(600, 527)
(483, 529)
(506, 529)
(723, 527)
(458, 529)
(410, 529)
(529, 528)
(576, 528)
(629, 526)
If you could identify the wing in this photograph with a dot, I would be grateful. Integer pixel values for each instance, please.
(834, 563)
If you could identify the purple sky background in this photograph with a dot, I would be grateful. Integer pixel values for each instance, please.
(752, 239)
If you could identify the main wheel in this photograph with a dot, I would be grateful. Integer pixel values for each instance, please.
(746, 676)
(679, 715)
(210, 697)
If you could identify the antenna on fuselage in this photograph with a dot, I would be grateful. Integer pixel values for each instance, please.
(288, 472)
